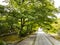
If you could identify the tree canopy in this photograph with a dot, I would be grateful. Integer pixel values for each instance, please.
(25, 15)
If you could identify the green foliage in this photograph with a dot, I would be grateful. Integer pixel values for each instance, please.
(56, 27)
(28, 14)
(2, 43)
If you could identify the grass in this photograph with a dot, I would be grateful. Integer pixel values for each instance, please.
(13, 38)
(10, 38)
(57, 37)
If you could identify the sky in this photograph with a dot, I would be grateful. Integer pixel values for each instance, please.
(56, 2)
(3, 3)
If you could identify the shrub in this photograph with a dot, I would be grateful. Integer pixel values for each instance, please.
(2, 43)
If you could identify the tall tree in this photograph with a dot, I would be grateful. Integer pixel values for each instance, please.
(30, 13)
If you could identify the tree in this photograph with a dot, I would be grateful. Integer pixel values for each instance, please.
(29, 14)
(42, 13)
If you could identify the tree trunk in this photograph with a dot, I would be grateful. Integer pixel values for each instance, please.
(21, 28)
(22, 24)
(31, 27)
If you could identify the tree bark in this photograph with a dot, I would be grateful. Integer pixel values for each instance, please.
(22, 24)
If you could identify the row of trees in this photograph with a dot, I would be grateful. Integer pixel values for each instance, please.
(24, 16)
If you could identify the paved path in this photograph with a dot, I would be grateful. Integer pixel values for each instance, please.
(44, 39)
(41, 39)
(28, 41)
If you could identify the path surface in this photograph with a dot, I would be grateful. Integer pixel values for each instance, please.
(28, 41)
(45, 39)
(40, 39)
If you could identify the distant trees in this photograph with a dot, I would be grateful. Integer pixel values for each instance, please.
(56, 27)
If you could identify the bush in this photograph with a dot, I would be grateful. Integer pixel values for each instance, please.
(4, 28)
(2, 43)
(23, 33)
